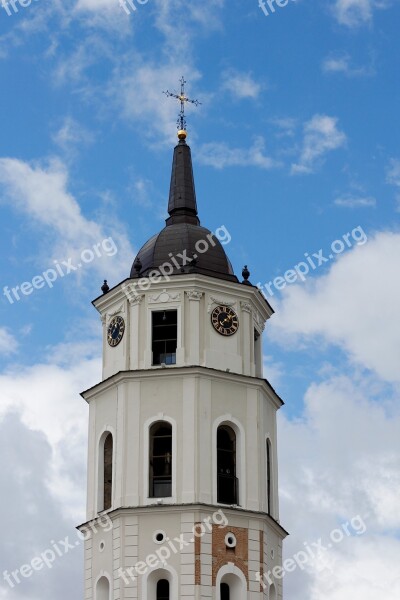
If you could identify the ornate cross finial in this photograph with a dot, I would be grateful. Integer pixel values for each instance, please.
(183, 99)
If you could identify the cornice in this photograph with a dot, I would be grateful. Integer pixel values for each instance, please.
(179, 508)
(211, 285)
(174, 371)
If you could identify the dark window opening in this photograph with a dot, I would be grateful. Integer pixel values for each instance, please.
(269, 478)
(225, 591)
(165, 337)
(163, 589)
(108, 471)
(160, 460)
(258, 353)
(227, 485)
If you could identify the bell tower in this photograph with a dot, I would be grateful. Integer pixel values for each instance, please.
(182, 428)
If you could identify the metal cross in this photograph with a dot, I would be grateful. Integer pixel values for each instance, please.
(181, 122)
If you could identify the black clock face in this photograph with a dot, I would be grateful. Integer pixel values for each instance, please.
(115, 331)
(225, 320)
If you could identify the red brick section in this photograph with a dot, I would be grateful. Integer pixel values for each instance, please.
(197, 559)
(261, 558)
(221, 555)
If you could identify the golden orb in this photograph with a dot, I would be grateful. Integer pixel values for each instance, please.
(182, 134)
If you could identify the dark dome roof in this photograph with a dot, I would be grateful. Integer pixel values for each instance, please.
(183, 231)
(181, 239)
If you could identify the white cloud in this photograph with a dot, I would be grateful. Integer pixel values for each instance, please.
(141, 194)
(197, 17)
(340, 460)
(350, 201)
(41, 194)
(137, 91)
(393, 177)
(241, 85)
(321, 135)
(72, 67)
(8, 343)
(286, 126)
(220, 155)
(58, 412)
(97, 5)
(393, 172)
(355, 13)
(272, 371)
(342, 64)
(107, 15)
(34, 515)
(72, 134)
(354, 306)
(367, 569)
(137, 83)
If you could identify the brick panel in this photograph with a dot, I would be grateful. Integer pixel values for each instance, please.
(221, 555)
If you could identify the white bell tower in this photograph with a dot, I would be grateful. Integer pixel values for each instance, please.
(182, 430)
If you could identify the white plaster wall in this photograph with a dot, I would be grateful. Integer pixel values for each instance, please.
(130, 542)
(195, 401)
(194, 297)
(217, 385)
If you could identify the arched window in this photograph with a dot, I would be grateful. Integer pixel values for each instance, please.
(231, 583)
(108, 471)
(105, 472)
(160, 470)
(103, 589)
(163, 589)
(269, 477)
(225, 591)
(272, 592)
(227, 484)
(160, 584)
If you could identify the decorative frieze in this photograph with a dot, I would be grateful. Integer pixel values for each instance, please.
(133, 297)
(246, 307)
(164, 297)
(193, 295)
(259, 322)
(221, 301)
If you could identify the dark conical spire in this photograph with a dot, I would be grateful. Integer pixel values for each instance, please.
(182, 205)
(183, 231)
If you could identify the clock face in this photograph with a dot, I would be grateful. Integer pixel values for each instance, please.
(225, 320)
(115, 331)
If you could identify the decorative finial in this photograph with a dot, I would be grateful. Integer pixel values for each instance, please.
(137, 265)
(246, 275)
(183, 99)
(105, 287)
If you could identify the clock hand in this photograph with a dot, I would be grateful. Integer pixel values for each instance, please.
(227, 319)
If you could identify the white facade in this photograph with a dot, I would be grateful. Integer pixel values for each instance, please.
(216, 382)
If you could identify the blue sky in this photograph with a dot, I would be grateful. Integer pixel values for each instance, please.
(295, 145)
